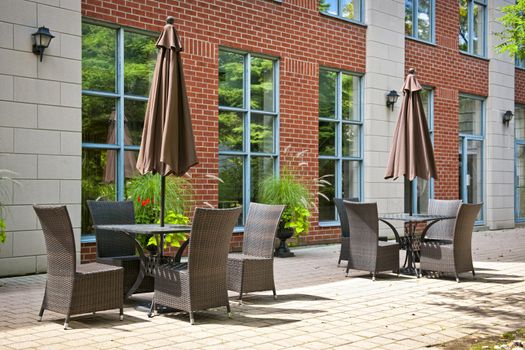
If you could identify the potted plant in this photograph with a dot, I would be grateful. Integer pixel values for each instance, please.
(291, 191)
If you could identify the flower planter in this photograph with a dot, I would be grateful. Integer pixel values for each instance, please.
(283, 234)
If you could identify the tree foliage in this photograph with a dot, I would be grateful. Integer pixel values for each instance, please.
(513, 35)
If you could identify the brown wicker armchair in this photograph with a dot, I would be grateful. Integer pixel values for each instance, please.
(201, 283)
(252, 270)
(114, 248)
(73, 289)
(453, 256)
(366, 251)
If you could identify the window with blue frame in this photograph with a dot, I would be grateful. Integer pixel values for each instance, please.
(248, 125)
(340, 139)
(346, 9)
(520, 63)
(472, 26)
(117, 66)
(519, 191)
(419, 19)
(471, 144)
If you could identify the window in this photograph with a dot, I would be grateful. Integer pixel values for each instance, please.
(347, 9)
(472, 26)
(520, 63)
(248, 125)
(422, 189)
(419, 19)
(340, 139)
(519, 129)
(117, 66)
(471, 140)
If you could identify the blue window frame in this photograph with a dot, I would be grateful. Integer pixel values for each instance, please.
(473, 27)
(352, 10)
(419, 19)
(519, 183)
(340, 140)
(520, 63)
(471, 150)
(248, 125)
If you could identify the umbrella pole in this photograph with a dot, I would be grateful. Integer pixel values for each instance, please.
(410, 209)
(162, 198)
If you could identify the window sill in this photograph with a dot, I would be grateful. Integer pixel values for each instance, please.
(520, 68)
(353, 21)
(87, 238)
(329, 224)
(430, 43)
(474, 56)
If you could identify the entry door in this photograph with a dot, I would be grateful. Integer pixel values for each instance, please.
(520, 182)
(471, 171)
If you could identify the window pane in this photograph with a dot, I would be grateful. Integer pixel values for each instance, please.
(519, 122)
(351, 9)
(327, 176)
(463, 25)
(327, 138)
(424, 94)
(478, 32)
(231, 128)
(409, 13)
(261, 167)
(139, 62)
(231, 174)
(474, 175)
(98, 58)
(351, 140)
(470, 116)
(351, 179)
(350, 97)
(328, 6)
(423, 194)
(134, 112)
(98, 174)
(327, 89)
(231, 75)
(424, 20)
(262, 84)
(261, 133)
(98, 119)
(520, 179)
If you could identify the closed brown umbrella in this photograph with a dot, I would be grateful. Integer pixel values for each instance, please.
(167, 146)
(411, 154)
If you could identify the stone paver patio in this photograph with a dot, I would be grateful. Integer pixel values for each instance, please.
(317, 308)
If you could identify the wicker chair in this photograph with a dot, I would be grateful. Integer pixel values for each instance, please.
(72, 289)
(252, 271)
(114, 248)
(444, 229)
(453, 256)
(366, 251)
(201, 283)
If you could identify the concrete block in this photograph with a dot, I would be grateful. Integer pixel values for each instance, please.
(6, 87)
(18, 115)
(20, 218)
(6, 35)
(71, 143)
(70, 191)
(75, 211)
(6, 194)
(37, 91)
(28, 243)
(24, 165)
(41, 264)
(59, 19)
(59, 167)
(71, 46)
(37, 192)
(73, 5)
(59, 118)
(20, 12)
(71, 95)
(18, 63)
(49, 2)
(6, 139)
(17, 266)
(61, 69)
(37, 141)
(24, 41)
(6, 249)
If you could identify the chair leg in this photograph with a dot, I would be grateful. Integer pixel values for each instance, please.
(229, 310)
(274, 294)
(151, 309)
(473, 274)
(347, 269)
(192, 320)
(41, 313)
(121, 313)
(373, 276)
(66, 322)
(457, 278)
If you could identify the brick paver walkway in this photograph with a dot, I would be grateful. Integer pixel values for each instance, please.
(317, 308)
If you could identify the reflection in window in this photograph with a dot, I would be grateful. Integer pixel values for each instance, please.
(520, 63)
(349, 9)
(419, 19)
(340, 139)
(472, 23)
(247, 126)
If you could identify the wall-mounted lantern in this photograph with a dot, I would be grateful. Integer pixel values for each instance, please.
(507, 117)
(41, 40)
(391, 98)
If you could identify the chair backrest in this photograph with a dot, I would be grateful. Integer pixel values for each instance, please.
(364, 223)
(112, 213)
(443, 229)
(59, 238)
(210, 237)
(467, 215)
(343, 218)
(259, 231)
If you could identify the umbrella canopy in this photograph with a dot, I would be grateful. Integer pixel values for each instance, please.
(411, 153)
(167, 146)
(130, 160)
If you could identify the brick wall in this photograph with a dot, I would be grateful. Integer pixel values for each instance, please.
(520, 86)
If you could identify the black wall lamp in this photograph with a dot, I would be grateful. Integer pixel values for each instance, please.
(41, 39)
(391, 98)
(507, 117)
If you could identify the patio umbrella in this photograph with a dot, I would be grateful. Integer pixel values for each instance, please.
(130, 161)
(411, 154)
(167, 146)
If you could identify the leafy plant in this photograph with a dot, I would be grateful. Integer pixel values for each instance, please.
(513, 35)
(5, 177)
